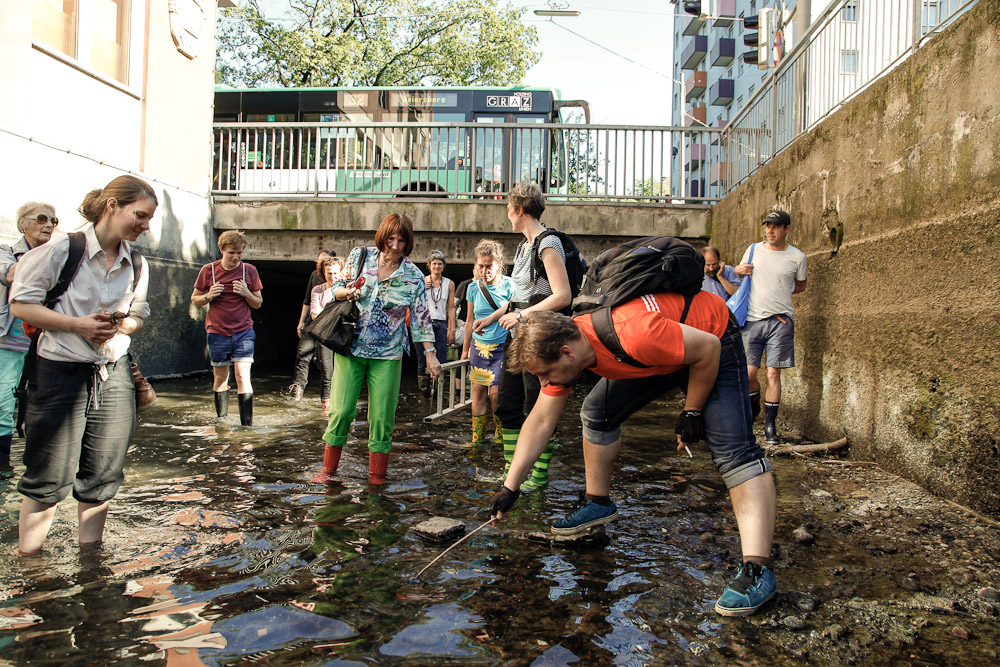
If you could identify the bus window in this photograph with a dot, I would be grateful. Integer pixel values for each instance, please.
(531, 151)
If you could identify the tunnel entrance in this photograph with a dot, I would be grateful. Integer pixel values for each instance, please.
(274, 322)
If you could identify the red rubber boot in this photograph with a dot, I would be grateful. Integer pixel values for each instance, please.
(377, 465)
(331, 459)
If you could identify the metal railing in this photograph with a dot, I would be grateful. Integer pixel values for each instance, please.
(452, 389)
(460, 160)
(851, 45)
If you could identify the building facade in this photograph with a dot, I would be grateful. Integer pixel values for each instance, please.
(99, 88)
(711, 84)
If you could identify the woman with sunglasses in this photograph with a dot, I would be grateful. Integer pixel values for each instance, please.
(80, 415)
(36, 221)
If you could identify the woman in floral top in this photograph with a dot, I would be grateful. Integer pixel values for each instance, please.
(392, 286)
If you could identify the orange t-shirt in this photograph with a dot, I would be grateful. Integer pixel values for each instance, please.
(649, 332)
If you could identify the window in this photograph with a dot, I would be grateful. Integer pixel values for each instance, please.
(93, 32)
(849, 14)
(739, 102)
(54, 24)
(729, 72)
(750, 91)
(848, 62)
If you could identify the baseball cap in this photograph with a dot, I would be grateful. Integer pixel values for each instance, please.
(778, 218)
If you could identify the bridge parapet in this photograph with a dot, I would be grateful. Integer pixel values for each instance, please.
(295, 228)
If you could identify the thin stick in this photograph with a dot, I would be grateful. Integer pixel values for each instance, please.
(690, 455)
(467, 536)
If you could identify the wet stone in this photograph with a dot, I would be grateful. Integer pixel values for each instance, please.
(793, 622)
(960, 632)
(834, 632)
(439, 529)
(803, 536)
(989, 593)
(805, 603)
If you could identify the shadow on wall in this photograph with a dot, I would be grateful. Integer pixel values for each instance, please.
(173, 338)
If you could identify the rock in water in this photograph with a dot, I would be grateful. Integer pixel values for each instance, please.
(440, 529)
(803, 536)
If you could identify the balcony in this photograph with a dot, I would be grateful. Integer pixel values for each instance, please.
(695, 85)
(696, 115)
(694, 53)
(695, 155)
(721, 93)
(718, 173)
(693, 25)
(727, 14)
(723, 52)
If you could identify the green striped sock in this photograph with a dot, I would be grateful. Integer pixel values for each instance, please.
(540, 471)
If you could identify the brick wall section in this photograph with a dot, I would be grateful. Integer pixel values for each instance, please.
(898, 334)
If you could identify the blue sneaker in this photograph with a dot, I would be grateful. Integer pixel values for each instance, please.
(749, 590)
(585, 518)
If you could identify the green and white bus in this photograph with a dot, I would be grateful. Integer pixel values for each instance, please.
(439, 142)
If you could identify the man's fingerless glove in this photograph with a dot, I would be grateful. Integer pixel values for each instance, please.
(690, 426)
(503, 500)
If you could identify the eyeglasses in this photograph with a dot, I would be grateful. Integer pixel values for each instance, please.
(43, 219)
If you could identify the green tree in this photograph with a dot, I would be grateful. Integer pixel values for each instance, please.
(375, 43)
(583, 158)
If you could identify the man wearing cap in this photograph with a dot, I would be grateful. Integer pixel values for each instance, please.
(778, 271)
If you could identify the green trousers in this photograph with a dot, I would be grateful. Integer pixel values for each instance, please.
(349, 373)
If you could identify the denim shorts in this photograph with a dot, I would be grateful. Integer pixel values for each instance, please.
(78, 431)
(225, 350)
(728, 427)
(772, 338)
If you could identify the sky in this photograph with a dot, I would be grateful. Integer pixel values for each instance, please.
(618, 60)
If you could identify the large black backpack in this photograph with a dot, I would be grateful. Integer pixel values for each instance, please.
(576, 265)
(648, 265)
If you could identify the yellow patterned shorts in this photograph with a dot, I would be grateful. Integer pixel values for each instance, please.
(484, 363)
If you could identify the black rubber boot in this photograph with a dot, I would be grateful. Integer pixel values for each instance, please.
(754, 405)
(246, 409)
(5, 468)
(222, 403)
(770, 430)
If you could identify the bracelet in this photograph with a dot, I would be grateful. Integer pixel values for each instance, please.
(430, 350)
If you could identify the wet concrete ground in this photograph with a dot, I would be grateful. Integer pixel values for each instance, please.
(220, 552)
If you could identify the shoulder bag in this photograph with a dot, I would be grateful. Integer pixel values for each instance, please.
(739, 301)
(335, 326)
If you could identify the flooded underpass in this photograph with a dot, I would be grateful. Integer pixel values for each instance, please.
(219, 551)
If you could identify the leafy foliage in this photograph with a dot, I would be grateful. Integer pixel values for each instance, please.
(375, 43)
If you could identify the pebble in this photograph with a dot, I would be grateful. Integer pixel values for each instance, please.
(834, 632)
(989, 593)
(910, 584)
(820, 493)
(793, 622)
(440, 529)
(805, 603)
(960, 632)
(803, 536)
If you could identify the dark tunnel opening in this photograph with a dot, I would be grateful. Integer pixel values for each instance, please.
(284, 286)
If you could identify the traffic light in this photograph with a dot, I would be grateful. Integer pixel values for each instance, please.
(703, 9)
(760, 40)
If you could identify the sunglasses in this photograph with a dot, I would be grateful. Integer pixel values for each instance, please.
(43, 219)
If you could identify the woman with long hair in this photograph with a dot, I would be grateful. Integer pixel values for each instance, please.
(331, 269)
(392, 286)
(80, 415)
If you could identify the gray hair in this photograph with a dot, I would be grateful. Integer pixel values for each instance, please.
(436, 254)
(26, 208)
(527, 196)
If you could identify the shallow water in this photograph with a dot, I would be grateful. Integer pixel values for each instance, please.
(219, 551)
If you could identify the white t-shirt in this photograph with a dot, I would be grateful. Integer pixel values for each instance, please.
(773, 280)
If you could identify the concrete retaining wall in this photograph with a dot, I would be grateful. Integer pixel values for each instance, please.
(896, 201)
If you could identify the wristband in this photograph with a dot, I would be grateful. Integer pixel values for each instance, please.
(430, 350)
(517, 314)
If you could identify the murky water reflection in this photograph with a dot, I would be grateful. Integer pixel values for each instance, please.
(219, 551)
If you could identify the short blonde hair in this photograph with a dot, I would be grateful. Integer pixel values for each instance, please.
(489, 248)
(233, 238)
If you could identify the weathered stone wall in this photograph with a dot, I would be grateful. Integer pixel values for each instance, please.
(897, 333)
(294, 229)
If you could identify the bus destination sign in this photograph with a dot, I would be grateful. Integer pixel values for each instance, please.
(520, 101)
(422, 99)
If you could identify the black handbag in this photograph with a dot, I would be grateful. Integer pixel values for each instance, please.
(334, 327)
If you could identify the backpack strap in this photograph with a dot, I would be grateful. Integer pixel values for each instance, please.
(605, 329)
(77, 248)
(487, 295)
(537, 267)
